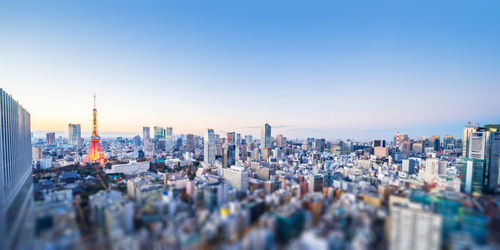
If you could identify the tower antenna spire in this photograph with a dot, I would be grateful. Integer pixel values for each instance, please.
(95, 153)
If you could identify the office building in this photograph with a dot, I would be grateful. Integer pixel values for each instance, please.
(37, 153)
(315, 183)
(209, 147)
(281, 141)
(448, 142)
(379, 143)
(16, 198)
(190, 142)
(381, 151)
(228, 156)
(146, 134)
(74, 134)
(230, 137)
(237, 178)
(169, 132)
(50, 139)
(410, 166)
(465, 142)
(479, 168)
(265, 139)
(159, 133)
(471, 175)
(418, 147)
(238, 139)
(414, 228)
(434, 142)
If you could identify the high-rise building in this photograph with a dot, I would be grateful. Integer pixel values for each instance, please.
(281, 141)
(228, 155)
(418, 147)
(465, 142)
(159, 133)
(479, 167)
(190, 142)
(448, 142)
(169, 134)
(435, 142)
(238, 139)
(209, 146)
(146, 134)
(51, 138)
(471, 174)
(37, 153)
(74, 134)
(379, 143)
(265, 139)
(16, 182)
(231, 138)
(95, 153)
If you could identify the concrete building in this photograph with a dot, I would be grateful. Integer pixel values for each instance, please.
(237, 178)
(132, 167)
(410, 166)
(381, 151)
(414, 228)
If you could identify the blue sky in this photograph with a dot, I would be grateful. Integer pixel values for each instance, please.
(333, 69)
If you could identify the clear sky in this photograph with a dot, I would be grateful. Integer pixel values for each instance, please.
(333, 69)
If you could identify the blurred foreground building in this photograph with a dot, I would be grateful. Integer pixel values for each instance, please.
(16, 199)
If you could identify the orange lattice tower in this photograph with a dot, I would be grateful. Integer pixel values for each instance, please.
(95, 152)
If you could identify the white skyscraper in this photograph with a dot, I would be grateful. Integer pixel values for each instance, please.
(209, 146)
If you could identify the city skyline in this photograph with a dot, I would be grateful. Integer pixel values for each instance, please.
(249, 125)
(332, 70)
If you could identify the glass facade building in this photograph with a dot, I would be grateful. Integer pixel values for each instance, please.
(74, 134)
(266, 136)
(16, 199)
(209, 146)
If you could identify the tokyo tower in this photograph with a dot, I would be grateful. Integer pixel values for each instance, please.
(95, 152)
